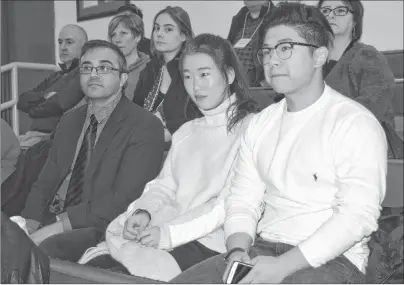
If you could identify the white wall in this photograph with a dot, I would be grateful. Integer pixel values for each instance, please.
(383, 21)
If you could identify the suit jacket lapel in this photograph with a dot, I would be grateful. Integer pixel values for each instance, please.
(69, 141)
(109, 131)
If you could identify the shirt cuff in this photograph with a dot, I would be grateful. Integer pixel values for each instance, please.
(64, 218)
(165, 239)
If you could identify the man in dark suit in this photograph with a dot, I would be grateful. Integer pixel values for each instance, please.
(102, 156)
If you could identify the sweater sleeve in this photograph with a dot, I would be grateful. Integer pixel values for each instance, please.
(197, 222)
(160, 191)
(243, 206)
(361, 166)
(375, 82)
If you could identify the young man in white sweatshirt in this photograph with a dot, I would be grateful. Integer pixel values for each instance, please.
(311, 173)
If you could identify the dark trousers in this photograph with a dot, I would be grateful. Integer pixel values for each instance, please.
(339, 270)
(186, 256)
(71, 245)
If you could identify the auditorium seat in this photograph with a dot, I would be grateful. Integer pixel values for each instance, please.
(394, 184)
(395, 59)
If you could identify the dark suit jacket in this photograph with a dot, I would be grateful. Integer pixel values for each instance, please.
(127, 155)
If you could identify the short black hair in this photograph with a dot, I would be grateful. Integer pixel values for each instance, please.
(308, 21)
(357, 10)
(132, 8)
(94, 44)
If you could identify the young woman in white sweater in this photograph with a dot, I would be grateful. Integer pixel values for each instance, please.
(178, 220)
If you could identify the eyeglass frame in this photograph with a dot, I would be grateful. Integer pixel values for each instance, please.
(97, 68)
(277, 45)
(339, 7)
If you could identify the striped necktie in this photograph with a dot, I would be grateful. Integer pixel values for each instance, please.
(75, 189)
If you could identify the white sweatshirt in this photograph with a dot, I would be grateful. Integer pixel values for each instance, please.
(193, 180)
(318, 176)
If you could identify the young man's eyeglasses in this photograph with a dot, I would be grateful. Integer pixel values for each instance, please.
(102, 69)
(283, 51)
(338, 11)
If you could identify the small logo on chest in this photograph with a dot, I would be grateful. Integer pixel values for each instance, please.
(315, 176)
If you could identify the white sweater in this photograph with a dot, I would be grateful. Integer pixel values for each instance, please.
(318, 176)
(193, 180)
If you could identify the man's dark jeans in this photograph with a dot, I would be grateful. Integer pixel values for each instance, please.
(339, 270)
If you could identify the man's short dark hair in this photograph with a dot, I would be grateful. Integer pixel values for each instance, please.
(94, 44)
(307, 20)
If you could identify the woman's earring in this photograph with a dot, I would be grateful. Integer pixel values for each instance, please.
(353, 33)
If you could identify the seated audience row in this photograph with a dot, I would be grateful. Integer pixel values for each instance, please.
(232, 186)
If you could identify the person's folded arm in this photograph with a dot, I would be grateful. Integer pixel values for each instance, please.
(360, 159)
(140, 164)
(62, 101)
(69, 96)
(35, 96)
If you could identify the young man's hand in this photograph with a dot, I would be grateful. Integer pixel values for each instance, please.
(150, 237)
(135, 225)
(235, 256)
(267, 269)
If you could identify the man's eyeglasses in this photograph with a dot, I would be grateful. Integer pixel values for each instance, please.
(283, 51)
(102, 69)
(339, 11)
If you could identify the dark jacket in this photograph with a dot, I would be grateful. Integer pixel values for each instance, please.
(128, 154)
(21, 260)
(256, 75)
(46, 113)
(177, 106)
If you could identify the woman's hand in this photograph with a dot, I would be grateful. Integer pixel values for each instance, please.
(135, 224)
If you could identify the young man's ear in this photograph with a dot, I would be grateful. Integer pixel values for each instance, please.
(320, 56)
(231, 75)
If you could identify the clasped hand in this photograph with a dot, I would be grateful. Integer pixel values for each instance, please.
(136, 229)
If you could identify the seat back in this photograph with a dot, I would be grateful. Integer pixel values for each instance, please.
(394, 184)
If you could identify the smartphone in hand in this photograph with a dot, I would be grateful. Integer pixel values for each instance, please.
(237, 272)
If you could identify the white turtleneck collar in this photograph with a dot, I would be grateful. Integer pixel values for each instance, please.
(218, 115)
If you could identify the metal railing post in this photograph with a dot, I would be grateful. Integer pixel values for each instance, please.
(14, 97)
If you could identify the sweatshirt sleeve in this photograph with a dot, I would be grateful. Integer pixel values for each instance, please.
(243, 205)
(360, 159)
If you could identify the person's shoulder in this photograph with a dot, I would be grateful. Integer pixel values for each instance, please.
(184, 131)
(367, 54)
(345, 108)
(138, 117)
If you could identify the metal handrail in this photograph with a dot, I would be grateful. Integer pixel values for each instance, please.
(13, 67)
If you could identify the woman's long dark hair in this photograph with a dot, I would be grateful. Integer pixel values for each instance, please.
(181, 18)
(222, 53)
